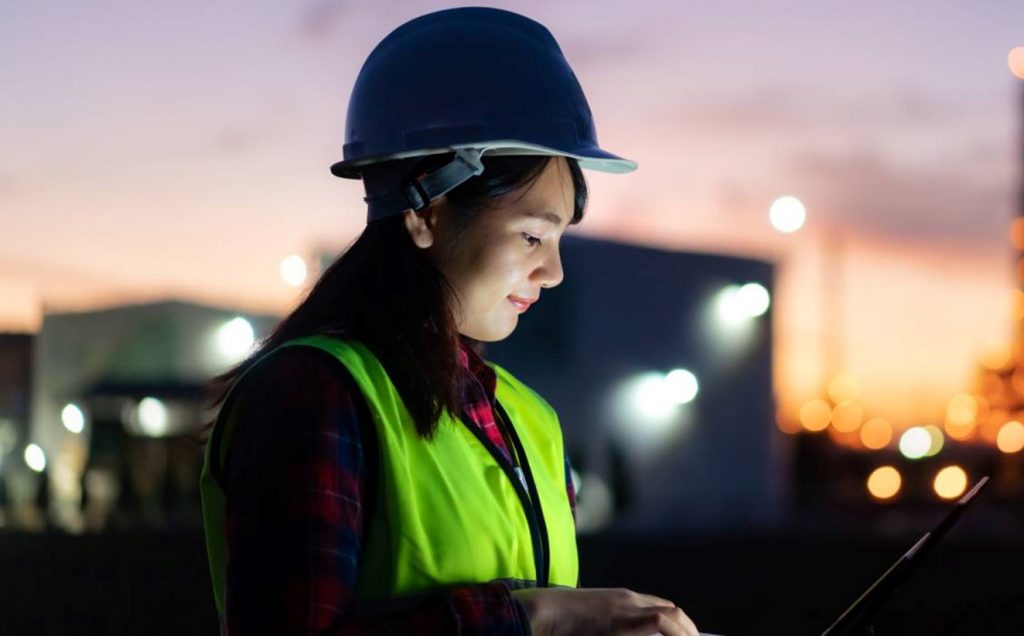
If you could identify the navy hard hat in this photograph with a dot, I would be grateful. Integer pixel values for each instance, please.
(471, 81)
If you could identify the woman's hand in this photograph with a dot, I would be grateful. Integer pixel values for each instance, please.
(602, 612)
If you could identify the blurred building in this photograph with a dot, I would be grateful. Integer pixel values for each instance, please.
(117, 398)
(15, 388)
(659, 364)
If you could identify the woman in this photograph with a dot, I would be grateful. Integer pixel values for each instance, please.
(368, 471)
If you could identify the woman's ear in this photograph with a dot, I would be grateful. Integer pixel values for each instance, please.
(422, 225)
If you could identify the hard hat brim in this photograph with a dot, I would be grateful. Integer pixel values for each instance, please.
(590, 158)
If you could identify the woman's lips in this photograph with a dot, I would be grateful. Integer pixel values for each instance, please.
(520, 305)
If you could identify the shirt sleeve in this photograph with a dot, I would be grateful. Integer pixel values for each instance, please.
(296, 486)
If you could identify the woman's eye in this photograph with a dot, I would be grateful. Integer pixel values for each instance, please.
(532, 240)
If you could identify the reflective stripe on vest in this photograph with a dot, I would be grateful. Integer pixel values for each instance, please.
(449, 510)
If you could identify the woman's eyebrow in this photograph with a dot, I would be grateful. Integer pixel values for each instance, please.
(550, 217)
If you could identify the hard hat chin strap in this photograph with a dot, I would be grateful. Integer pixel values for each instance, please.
(417, 193)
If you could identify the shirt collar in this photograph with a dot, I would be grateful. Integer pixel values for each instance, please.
(472, 362)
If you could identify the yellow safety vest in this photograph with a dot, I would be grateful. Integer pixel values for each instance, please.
(451, 510)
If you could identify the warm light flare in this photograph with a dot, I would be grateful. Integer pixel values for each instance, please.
(996, 357)
(847, 417)
(844, 388)
(815, 415)
(876, 433)
(950, 482)
(787, 424)
(962, 416)
(850, 439)
(1011, 437)
(884, 482)
(988, 430)
(1017, 233)
(1016, 62)
(1017, 380)
(1018, 302)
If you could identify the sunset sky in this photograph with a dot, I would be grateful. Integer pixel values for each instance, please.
(155, 150)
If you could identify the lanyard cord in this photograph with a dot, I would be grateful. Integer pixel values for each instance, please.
(500, 421)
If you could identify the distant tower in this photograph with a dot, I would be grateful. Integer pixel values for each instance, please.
(1000, 389)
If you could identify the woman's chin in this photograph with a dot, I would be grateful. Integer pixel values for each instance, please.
(493, 334)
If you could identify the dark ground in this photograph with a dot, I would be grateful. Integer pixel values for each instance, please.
(155, 584)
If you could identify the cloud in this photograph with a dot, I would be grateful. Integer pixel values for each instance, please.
(322, 18)
(863, 193)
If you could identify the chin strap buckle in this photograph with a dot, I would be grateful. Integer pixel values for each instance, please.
(419, 192)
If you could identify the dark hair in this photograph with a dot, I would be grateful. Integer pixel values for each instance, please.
(384, 292)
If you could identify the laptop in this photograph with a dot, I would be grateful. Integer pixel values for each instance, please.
(858, 617)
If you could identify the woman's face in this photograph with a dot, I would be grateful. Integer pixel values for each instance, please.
(509, 251)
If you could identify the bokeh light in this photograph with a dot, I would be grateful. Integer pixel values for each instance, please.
(1017, 380)
(73, 418)
(876, 433)
(1016, 62)
(293, 270)
(844, 388)
(738, 304)
(846, 439)
(847, 417)
(915, 442)
(35, 458)
(753, 299)
(1011, 437)
(1017, 296)
(961, 416)
(996, 357)
(235, 339)
(988, 429)
(1017, 233)
(787, 214)
(815, 415)
(884, 482)
(788, 425)
(152, 417)
(652, 398)
(937, 440)
(950, 482)
(682, 385)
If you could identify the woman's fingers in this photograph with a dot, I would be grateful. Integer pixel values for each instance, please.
(667, 621)
(656, 601)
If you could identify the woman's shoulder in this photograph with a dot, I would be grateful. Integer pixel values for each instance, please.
(295, 379)
(293, 366)
(293, 397)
